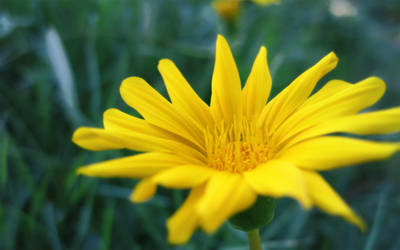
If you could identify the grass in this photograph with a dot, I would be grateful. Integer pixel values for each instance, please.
(43, 98)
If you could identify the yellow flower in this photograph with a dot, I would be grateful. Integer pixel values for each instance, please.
(241, 147)
(267, 2)
(228, 9)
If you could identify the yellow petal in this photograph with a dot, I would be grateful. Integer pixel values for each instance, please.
(325, 198)
(283, 105)
(183, 97)
(379, 122)
(365, 93)
(116, 120)
(324, 153)
(279, 179)
(330, 88)
(225, 195)
(143, 191)
(156, 110)
(100, 139)
(185, 176)
(95, 139)
(258, 86)
(349, 100)
(137, 166)
(226, 98)
(182, 224)
(120, 122)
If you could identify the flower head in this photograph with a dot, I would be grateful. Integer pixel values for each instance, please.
(229, 9)
(241, 147)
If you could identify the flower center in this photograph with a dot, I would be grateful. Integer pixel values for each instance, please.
(236, 148)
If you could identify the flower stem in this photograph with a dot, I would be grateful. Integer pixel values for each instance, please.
(254, 239)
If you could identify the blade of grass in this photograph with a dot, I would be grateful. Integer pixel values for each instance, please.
(107, 225)
(63, 73)
(378, 222)
(13, 218)
(147, 221)
(21, 167)
(44, 105)
(83, 226)
(2, 227)
(93, 67)
(3, 161)
(49, 219)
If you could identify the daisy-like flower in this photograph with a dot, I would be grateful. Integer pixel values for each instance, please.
(241, 147)
(229, 9)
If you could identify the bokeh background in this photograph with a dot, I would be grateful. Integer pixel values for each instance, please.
(61, 64)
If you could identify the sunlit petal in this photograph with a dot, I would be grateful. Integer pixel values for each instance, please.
(185, 176)
(349, 100)
(225, 195)
(328, 152)
(143, 191)
(258, 86)
(281, 106)
(183, 97)
(183, 222)
(325, 198)
(137, 166)
(226, 97)
(279, 179)
(157, 110)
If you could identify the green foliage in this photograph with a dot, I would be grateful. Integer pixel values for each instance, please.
(44, 205)
(258, 215)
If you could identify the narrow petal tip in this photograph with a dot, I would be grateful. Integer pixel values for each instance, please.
(82, 135)
(83, 171)
(128, 84)
(357, 221)
(109, 112)
(76, 135)
(143, 191)
(333, 56)
(174, 237)
(95, 139)
(263, 50)
(219, 36)
(379, 82)
(221, 41)
(175, 240)
(164, 61)
(88, 171)
(362, 226)
(331, 60)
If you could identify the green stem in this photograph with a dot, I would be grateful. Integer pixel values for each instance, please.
(254, 239)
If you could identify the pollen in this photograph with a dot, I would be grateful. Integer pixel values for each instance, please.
(236, 148)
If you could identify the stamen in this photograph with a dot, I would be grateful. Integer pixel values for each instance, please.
(236, 148)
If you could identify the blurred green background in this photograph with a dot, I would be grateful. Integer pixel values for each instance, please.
(61, 64)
